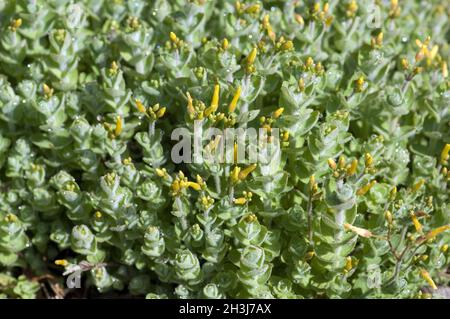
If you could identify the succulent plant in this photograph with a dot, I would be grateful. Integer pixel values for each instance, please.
(353, 204)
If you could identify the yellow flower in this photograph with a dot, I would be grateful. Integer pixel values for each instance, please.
(235, 99)
(444, 69)
(425, 275)
(161, 112)
(357, 230)
(436, 231)
(244, 173)
(194, 186)
(417, 224)
(363, 190)
(214, 101)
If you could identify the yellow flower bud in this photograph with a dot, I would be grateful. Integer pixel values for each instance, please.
(61, 262)
(240, 201)
(160, 172)
(252, 56)
(98, 214)
(278, 112)
(190, 106)
(332, 164)
(417, 225)
(173, 37)
(288, 45)
(235, 174)
(244, 173)
(301, 85)
(118, 128)
(368, 159)
(214, 101)
(444, 154)
(405, 64)
(225, 44)
(348, 263)
(141, 108)
(299, 19)
(15, 24)
(363, 190)
(235, 99)
(444, 69)
(175, 186)
(11, 218)
(388, 216)
(418, 185)
(352, 168)
(48, 91)
(194, 186)
(161, 112)
(309, 62)
(341, 161)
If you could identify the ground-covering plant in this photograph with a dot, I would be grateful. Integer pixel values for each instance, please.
(356, 207)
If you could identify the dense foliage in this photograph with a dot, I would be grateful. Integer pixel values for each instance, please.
(358, 206)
